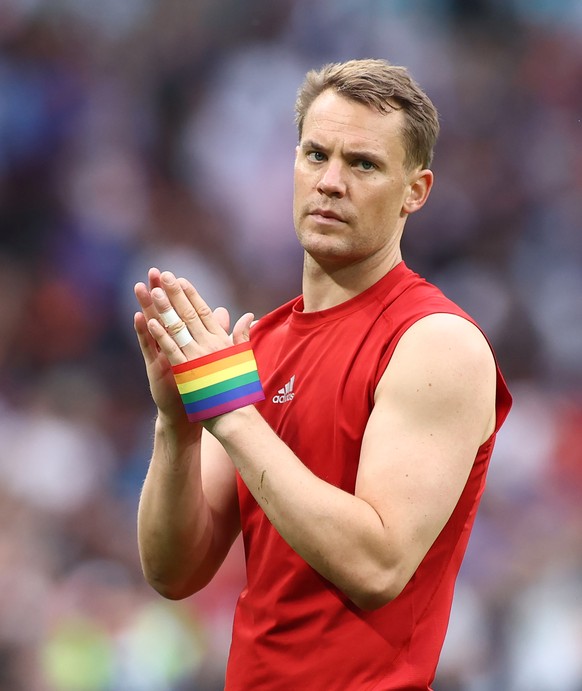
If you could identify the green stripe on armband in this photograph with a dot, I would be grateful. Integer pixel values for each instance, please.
(219, 383)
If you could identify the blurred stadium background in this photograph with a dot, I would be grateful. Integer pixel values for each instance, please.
(139, 132)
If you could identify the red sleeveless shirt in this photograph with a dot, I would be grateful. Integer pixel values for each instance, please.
(294, 630)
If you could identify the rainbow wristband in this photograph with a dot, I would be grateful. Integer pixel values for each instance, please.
(219, 383)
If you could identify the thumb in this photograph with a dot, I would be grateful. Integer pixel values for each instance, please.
(241, 331)
(222, 317)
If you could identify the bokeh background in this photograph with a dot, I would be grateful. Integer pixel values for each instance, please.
(160, 132)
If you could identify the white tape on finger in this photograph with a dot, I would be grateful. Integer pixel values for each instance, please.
(183, 337)
(170, 317)
(176, 327)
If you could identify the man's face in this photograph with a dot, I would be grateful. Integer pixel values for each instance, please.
(350, 182)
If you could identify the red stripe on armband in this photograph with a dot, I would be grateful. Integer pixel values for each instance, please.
(218, 383)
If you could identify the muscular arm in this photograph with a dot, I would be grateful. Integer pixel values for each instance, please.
(188, 512)
(434, 407)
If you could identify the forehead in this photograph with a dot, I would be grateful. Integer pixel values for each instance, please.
(334, 117)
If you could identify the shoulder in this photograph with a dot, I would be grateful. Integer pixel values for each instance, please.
(442, 364)
(444, 344)
(441, 335)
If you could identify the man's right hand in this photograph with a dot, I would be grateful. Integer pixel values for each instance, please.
(208, 331)
(158, 368)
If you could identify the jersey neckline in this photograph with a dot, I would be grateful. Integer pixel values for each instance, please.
(383, 287)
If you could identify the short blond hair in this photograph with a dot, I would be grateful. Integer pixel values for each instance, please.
(383, 86)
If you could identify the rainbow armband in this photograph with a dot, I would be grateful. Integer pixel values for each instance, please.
(218, 383)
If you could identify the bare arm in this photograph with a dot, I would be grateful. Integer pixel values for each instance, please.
(434, 407)
(188, 511)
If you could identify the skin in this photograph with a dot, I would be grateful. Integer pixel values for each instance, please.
(350, 162)
(434, 405)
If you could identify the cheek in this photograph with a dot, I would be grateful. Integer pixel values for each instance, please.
(377, 221)
(297, 193)
(302, 178)
(298, 186)
(387, 206)
(379, 211)
(302, 189)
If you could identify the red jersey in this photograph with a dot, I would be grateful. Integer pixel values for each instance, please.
(293, 629)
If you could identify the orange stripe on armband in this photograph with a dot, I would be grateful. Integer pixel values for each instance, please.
(218, 383)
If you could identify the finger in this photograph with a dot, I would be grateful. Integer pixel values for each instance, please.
(188, 310)
(154, 278)
(241, 332)
(179, 301)
(166, 343)
(144, 298)
(223, 318)
(147, 344)
(174, 324)
(203, 311)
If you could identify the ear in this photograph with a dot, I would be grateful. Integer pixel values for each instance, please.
(420, 185)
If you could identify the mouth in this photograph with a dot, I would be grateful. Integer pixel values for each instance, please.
(326, 215)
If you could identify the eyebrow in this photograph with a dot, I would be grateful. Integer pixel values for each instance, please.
(360, 154)
(354, 153)
(310, 144)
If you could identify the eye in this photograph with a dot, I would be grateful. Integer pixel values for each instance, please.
(316, 156)
(365, 165)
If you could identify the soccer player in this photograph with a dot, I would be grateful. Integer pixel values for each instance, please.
(347, 433)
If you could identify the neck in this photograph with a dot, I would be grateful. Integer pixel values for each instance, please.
(326, 286)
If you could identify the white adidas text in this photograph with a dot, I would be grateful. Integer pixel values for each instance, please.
(285, 394)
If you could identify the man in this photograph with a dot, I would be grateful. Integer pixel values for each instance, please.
(357, 479)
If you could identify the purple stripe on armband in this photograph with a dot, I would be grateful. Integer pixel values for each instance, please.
(227, 407)
(215, 383)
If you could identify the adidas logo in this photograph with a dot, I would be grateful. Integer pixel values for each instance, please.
(285, 394)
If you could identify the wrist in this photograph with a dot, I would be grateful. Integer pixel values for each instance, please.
(181, 430)
(226, 426)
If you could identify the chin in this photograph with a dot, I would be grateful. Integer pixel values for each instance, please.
(331, 257)
(322, 245)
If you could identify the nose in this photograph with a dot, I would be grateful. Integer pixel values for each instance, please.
(331, 182)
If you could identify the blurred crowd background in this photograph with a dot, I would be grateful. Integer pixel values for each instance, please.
(160, 132)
